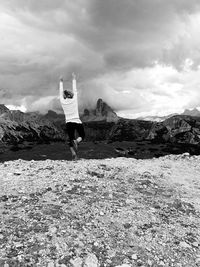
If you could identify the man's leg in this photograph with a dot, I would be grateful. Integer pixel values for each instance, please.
(81, 133)
(71, 134)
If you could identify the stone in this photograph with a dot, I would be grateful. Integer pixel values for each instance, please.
(134, 257)
(50, 264)
(198, 259)
(186, 154)
(91, 261)
(195, 244)
(17, 173)
(150, 263)
(183, 244)
(77, 262)
(124, 265)
(53, 230)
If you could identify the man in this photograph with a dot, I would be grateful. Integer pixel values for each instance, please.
(69, 102)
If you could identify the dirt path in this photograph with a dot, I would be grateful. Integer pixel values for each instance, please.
(111, 212)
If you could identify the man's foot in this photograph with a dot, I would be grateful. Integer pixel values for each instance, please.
(74, 157)
(75, 145)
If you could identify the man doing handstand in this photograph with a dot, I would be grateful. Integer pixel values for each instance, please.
(69, 103)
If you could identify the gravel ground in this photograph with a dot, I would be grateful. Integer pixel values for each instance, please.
(92, 213)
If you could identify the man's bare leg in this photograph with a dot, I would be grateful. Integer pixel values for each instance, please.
(74, 155)
(76, 142)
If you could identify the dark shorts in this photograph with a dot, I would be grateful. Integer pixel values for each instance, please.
(72, 128)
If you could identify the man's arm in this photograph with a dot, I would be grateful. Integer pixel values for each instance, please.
(74, 83)
(61, 89)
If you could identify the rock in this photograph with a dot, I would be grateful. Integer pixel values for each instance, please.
(18, 128)
(182, 129)
(51, 264)
(18, 245)
(150, 263)
(197, 261)
(139, 262)
(183, 244)
(53, 229)
(124, 265)
(102, 112)
(129, 130)
(77, 262)
(185, 155)
(195, 244)
(134, 257)
(91, 261)
(4, 198)
(130, 201)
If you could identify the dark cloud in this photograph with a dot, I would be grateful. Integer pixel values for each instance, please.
(41, 40)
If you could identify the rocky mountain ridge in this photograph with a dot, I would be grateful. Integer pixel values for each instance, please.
(102, 112)
(193, 112)
(188, 112)
(177, 129)
(17, 127)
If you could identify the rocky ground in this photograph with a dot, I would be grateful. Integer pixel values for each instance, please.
(108, 212)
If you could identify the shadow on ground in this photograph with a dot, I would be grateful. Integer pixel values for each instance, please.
(98, 150)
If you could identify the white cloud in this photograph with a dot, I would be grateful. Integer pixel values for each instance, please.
(139, 56)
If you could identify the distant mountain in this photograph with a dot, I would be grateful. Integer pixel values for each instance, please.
(194, 112)
(177, 129)
(3, 109)
(55, 117)
(156, 118)
(187, 112)
(101, 123)
(102, 112)
(17, 127)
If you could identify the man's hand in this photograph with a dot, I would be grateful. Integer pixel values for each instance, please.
(61, 78)
(74, 76)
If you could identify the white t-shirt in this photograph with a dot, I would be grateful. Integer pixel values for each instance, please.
(70, 105)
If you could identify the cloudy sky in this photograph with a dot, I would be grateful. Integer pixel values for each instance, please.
(141, 56)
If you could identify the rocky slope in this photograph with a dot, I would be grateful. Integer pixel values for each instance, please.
(17, 127)
(3, 109)
(129, 130)
(177, 129)
(92, 213)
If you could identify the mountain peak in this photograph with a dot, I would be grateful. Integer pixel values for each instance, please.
(3, 109)
(194, 112)
(102, 112)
